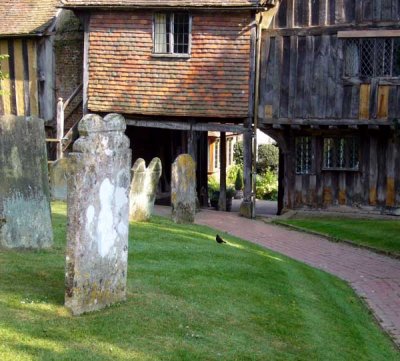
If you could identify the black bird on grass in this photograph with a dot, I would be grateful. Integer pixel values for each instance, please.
(219, 239)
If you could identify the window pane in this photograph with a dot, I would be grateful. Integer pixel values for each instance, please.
(303, 155)
(161, 33)
(341, 153)
(181, 33)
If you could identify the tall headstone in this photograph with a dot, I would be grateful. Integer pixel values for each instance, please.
(58, 179)
(98, 211)
(183, 189)
(144, 189)
(25, 220)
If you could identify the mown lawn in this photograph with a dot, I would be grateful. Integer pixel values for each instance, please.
(383, 235)
(189, 299)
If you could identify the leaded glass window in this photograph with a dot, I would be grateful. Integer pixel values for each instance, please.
(303, 155)
(341, 153)
(372, 57)
(171, 33)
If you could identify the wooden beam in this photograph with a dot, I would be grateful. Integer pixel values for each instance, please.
(200, 127)
(222, 173)
(334, 29)
(86, 30)
(276, 123)
(368, 34)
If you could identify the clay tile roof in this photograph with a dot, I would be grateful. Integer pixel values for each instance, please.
(164, 3)
(26, 17)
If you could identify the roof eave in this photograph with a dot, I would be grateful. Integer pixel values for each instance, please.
(158, 7)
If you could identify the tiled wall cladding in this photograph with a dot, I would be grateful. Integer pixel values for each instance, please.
(126, 78)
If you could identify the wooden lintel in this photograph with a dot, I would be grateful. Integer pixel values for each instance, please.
(199, 127)
(334, 29)
(277, 126)
(295, 126)
(369, 33)
(322, 122)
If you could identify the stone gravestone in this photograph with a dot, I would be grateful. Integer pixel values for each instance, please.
(25, 220)
(183, 189)
(144, 188)
(98, 211)
(58, 179)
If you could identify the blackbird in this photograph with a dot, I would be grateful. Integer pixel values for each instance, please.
(219, 239)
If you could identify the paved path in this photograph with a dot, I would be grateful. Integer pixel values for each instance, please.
(375, 277)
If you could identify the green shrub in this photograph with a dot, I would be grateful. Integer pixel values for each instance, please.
(239, 180)
(267, 186)
(268, 158)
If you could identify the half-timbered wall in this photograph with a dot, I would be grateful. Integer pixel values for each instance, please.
(20, 88)
(376, 184)
(305, 90)
(125, 77)
(303, 72)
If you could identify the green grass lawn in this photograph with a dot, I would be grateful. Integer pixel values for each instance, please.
(383, 235)
(188, 299)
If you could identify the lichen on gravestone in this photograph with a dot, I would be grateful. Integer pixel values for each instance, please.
(183, 189)
(25, 220)
(144, 189)
(98, 210)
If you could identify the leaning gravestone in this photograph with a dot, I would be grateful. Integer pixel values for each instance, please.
(144, 188)
(98, 210)
(25, 220)
(58, 179)
(183, 189)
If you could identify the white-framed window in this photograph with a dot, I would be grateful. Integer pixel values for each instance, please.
(172, 33)
(303, 155)
(341, 153)
(372, 57)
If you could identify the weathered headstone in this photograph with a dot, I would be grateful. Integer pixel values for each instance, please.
(144, 188)
(98, 210)
(183, 189)
(25, 220)
(58, 179)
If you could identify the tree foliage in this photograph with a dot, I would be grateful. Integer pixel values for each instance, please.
(268, 158)
(238, 153)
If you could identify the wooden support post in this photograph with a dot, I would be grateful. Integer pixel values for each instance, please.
(247, 206)
(222, 177)
(60, 127)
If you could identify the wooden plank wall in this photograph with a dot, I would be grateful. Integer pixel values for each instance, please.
(302, 78)
(304, 13)
(376, 184)
(20, 89)
(302, 81)
(302, 75)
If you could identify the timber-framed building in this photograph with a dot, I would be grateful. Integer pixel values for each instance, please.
(330, 96)
(175, 70)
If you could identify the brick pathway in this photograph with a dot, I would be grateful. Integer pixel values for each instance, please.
(375, 277)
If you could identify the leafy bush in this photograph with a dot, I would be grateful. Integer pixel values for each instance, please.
(268, 158)
(231, 174)
(267, 186)
(238, 153)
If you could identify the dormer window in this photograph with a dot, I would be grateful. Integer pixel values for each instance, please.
(172, 33)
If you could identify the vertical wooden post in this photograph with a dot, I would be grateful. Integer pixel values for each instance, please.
(85, 64)
(247, 206)
(222, 177)
(60, 127)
